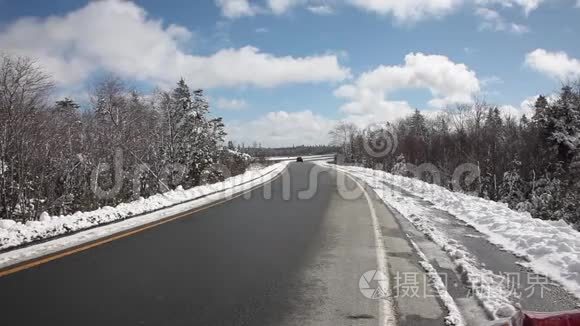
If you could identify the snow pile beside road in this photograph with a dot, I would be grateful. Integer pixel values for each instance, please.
(484, 284)
(14, 234)
(552, 248)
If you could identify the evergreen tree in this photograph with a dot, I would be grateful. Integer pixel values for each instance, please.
(559, 123)
(512, 188)
(417, 125)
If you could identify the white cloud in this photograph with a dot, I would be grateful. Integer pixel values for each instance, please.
(283, 128)
(370, 109)
(240, 8)
(510, 110)
(404, 11)
(279, 7)
(517, 28)
(447, 81)
(249, 66)
(554, 64)
(236, 8)
(469, 50)
(493, 21)
(527, 5)
(527, 106)
(231, 104)
(321, 9)
(529, 103)
(486, 81)
(408, 10)
(119, 36)
(367, 101)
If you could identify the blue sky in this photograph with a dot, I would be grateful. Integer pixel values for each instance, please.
(282, 72)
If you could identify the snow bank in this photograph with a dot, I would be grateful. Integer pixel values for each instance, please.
(14, 234)
(552, 248)
(487, 287)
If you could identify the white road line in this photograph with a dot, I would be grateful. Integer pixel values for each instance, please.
(454, 316)
(387, 316)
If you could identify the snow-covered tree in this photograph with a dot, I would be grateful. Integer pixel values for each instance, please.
(400, 167)
(24, 89)
(512, 189)
(531, 164)
(560, 123)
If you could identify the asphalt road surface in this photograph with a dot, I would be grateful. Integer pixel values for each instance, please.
(265, 258)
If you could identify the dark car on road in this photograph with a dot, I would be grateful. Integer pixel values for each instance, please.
(299, 159)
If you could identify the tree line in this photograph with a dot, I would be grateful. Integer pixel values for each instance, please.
(59, 158)
(301, 150)
(532, 163)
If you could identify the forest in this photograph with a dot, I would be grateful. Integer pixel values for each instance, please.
(531, 163)
(59, 158)
(301, 150)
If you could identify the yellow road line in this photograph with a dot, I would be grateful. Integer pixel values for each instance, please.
(45, 259)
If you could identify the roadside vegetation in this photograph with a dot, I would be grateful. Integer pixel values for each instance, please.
(532, 163)
(59, 158)
(256, 150)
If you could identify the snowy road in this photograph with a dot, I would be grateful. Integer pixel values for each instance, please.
(270, 258)
(307, 248)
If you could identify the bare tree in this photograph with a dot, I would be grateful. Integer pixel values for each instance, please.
(341, 135)
(24, 89)
(57, 157)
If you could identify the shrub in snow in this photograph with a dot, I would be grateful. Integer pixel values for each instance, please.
(511, 190)
(233, 161)
(44, 217)
(400, 168)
